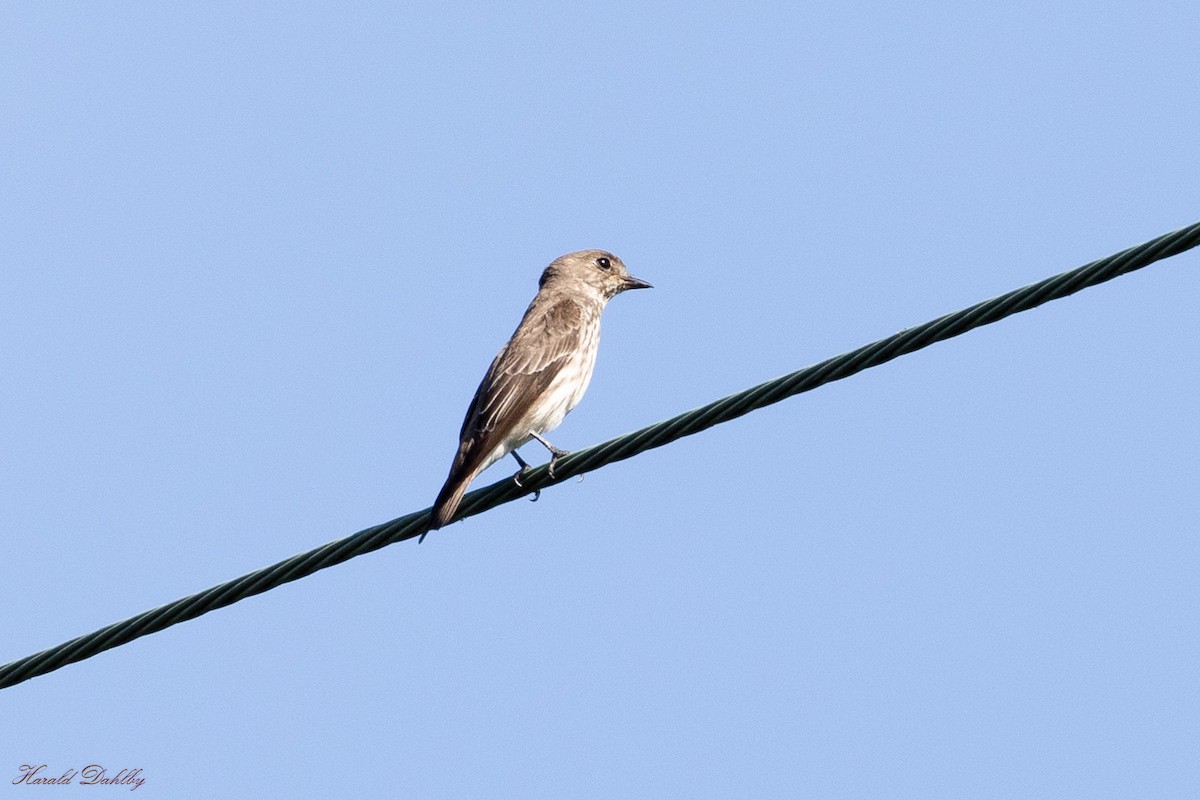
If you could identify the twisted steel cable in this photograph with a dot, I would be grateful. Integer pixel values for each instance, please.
(596, 456)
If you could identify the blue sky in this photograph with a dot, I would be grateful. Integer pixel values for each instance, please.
(257, 259)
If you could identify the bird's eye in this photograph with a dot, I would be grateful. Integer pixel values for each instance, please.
(604, 263)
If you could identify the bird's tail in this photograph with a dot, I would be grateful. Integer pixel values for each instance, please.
(449, 498)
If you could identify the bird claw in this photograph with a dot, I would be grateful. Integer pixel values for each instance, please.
(517, 476)
(555, 455)
(517, 480)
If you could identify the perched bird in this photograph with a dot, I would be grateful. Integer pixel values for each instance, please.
(541, 374)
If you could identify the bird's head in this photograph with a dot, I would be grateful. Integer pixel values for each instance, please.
(592, 271)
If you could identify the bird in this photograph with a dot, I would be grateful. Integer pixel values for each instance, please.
(540, 374)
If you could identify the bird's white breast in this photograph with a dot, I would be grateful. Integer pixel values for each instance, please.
(568, 386)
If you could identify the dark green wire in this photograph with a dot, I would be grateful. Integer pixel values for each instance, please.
(592, 458)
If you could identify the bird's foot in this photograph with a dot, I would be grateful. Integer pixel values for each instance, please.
(517, 480)
(555, 455)
(517, 475)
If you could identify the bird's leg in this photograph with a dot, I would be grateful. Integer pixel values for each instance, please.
(517, 478)
(555, 453)
(524, 466)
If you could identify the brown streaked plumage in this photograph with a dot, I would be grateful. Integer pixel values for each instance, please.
(541, 373)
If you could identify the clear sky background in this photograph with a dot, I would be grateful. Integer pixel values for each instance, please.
(256, 258)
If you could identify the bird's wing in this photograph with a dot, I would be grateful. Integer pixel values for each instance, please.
(542, 345)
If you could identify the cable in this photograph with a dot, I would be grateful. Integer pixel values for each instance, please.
(591, 458)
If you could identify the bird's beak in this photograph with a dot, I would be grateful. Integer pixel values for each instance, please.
(634, 283)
